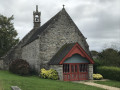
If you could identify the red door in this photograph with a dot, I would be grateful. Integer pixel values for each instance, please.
(75, 72)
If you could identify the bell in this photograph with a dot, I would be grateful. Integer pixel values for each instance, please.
(36, 19)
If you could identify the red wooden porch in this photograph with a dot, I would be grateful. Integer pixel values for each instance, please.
(75, 71)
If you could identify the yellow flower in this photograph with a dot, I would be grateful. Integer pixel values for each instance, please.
(97, 76)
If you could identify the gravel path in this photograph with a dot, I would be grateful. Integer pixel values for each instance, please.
(99, 85)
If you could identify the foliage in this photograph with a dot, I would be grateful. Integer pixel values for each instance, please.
(8, 79)
(7, 34)
(20, 67)
(97, 76)
(108, 72)
(109, 83)
(94, 54)
(109, 57)
(50, 74)
(96, 64)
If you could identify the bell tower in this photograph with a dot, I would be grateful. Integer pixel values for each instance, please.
(36, 18)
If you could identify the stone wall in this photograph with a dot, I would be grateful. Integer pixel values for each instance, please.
(39, 52)
(59, 69)
(1, 64)
(51, 40)
(90, 71)
(30, 53)
(56, 35)
(16, 51)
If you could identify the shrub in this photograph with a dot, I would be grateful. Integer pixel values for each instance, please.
(97, 76)
(108, 72)
(96, 64)
(109, 57)
(20, 67)
(49, 74)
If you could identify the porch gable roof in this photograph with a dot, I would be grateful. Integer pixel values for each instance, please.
(67, 51)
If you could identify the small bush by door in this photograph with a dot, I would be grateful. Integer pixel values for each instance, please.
(49, 74)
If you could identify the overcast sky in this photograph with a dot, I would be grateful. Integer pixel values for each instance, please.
(98, 20)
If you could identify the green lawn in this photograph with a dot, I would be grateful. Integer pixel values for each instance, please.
(109, 83)
(8, 79)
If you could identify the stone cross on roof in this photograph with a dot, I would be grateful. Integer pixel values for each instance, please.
(36, 8)
(63, 5)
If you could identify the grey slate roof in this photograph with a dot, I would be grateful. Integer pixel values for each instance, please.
(61, 54)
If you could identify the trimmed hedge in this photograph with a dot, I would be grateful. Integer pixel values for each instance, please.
(108, 72)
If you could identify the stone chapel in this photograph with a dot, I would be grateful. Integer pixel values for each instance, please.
(57, 44)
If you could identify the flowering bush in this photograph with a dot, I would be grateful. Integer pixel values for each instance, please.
(50, 74)
(97, 76)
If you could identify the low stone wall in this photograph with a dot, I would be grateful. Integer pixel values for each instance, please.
(1, 64)
(59, 69)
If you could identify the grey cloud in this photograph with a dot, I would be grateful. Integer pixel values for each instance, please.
(99, 23)
(98, 20)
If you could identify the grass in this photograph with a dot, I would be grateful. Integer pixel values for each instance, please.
(109, 83)
(8, 79)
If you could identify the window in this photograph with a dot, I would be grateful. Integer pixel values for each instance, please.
(83, 67)
(66, 68)
(72, 68)
(75, 68)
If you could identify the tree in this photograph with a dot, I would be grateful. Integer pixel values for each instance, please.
(94, 54)
(7, 34)
(110, 57)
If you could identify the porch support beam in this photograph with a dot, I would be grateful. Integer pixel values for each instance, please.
(90, 71)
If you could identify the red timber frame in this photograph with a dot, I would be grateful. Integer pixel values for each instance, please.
(77, 49)
(75, 71)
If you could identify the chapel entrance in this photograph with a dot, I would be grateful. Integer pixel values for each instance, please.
(75, 71)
